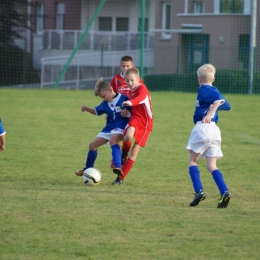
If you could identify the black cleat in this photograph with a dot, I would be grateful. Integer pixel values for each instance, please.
(197, 198)
(118, 171)
(117, 181)
(224, 200)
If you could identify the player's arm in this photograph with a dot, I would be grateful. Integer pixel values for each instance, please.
(88, 109)
(225, 106)
(140, 99)
(211, 111)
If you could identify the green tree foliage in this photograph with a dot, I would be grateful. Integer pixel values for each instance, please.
(12, 20)
(15, 63)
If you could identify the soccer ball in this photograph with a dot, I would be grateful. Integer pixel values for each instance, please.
(92, 177)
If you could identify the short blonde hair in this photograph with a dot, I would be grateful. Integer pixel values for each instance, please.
(132, 71)
(100, 86)
(206, 72)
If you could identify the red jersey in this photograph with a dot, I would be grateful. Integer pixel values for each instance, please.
(118, 84)
(141, 113)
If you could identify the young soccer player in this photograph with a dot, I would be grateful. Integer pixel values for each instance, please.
(205, 138)
(119, 85)
(113, 130)
(141, 121)
(2, 136)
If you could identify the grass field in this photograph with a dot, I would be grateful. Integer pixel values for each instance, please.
(48, 213)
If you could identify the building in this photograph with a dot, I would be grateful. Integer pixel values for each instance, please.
(58, 28)
(180, 35)
(202, 31)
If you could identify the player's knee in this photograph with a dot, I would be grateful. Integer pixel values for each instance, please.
(92, 147)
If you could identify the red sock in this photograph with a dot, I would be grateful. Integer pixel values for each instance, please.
(127, 167)
(126, 146)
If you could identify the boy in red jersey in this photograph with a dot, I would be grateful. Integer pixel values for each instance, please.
(119, 86)
(141, 121)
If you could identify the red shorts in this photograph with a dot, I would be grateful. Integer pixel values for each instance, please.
(141, 135)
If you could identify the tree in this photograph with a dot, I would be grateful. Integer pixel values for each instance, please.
(15, 63)
(12, 20)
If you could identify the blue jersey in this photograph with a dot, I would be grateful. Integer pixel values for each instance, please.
(2, 130)
(113, 111)
(207, 95)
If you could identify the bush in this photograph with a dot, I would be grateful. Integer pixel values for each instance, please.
(15, 67)
(227, 81)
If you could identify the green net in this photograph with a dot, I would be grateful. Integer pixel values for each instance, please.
(70, 44)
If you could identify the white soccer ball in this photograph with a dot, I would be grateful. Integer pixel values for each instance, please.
(92, 177)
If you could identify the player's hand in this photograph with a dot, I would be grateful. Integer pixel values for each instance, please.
(126, 103)
(124, 112)
(206, 119)
(83, 108)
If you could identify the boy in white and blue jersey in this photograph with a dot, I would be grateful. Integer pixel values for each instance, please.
(114, 128)
(205, 138)
(2, 136)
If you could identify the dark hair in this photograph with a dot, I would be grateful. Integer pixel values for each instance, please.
(127, 58)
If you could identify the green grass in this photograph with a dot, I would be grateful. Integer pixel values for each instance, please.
(48, 213)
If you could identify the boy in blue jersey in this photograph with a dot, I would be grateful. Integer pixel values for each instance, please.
(205, 138)
(115, 124)
(2, 136)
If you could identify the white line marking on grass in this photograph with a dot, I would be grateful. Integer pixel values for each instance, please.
(249, 138)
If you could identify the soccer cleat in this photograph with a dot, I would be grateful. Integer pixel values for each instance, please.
(118, 171)
(124, 157)
(224, 200)
(197, 198)
(80, 172)
(112, 166)
(117, 181)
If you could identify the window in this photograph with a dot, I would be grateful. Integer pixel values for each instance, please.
(60, 12)
(232, 6)
(166, 19)
(198, 7)
(105, 24)
(122, 25)
(39, 18)
(145, 24)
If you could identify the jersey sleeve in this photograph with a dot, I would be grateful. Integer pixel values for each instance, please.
(101, 109)
(141, 97)
(2, 130)
(225, 105)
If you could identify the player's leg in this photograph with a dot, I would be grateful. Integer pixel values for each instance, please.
(219, 180)
(195, 179)
(126, 146)
(2, 142)
(116, 152)
(92, 154)
(129, 133)
(131, 160)
(127, 143)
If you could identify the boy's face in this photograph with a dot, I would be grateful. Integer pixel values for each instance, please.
(132, 80)
(107, 95)
(124, 65)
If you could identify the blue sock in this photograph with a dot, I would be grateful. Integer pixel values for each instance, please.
(195, 178)
(218, 178)
(92, 156)
(116, 155)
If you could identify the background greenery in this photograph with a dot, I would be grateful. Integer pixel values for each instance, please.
(227, 81)
(48, 213)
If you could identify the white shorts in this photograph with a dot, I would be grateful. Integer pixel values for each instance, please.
(205, 139)
(108, 135)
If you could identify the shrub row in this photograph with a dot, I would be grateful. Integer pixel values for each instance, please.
(227, 81)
